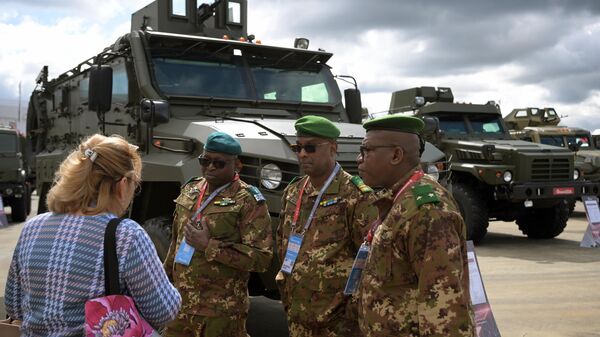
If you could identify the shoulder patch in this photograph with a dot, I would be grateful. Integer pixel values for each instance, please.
(425, 194)
(256, 193)
(190, 180)
(295, 179)
(356, 180)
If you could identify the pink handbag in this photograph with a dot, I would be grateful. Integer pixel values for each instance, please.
(114, 314)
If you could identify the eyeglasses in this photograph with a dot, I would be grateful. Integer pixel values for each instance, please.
(309, 148)
(217, 163)
(366, 149)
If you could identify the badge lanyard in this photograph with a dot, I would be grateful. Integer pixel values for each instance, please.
(360, 260)
(185, 252)
(295, 241)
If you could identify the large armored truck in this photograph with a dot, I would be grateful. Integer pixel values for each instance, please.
(495, 177)
(179, 75)
(541, 125)
(15, 173)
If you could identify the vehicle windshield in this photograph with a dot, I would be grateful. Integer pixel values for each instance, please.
(479, 124)
(583, 140)
(8, 143)
(231, 73)
(562, 141)
(553, 140)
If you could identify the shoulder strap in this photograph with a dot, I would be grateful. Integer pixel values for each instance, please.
(111, 263)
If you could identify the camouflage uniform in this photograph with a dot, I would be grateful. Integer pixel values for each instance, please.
(416, 280)
(214, 287)
(313, 295)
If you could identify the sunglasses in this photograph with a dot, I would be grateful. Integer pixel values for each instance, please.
(309, 148)
(366, 149)
(216, 163)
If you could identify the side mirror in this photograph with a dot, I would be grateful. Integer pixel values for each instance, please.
(432, 125)
(353, 105)
(100, 90)
(155, 111)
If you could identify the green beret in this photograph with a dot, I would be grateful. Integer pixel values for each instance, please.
(398, 122)
(222, 143)
(316, 126)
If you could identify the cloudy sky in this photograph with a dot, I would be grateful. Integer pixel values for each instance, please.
(518, 53)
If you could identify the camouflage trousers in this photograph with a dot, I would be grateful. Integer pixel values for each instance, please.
(340, 327)
(186, 325)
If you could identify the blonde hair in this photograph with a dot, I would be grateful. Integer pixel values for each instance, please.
(86, 181)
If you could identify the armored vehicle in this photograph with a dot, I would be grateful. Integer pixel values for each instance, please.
(495, 177)
(541, 125)
(179, 75)
(15, 173)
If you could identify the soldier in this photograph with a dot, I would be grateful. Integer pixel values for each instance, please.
(325, 215)
(415, 281)
(221, 232)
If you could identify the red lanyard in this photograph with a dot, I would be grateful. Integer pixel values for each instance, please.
(199, 202)
(298, 204)
(411, 181)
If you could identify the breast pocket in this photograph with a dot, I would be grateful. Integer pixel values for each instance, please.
(223, 223)
(331, 225)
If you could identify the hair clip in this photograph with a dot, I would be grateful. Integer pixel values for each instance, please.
(90, 154)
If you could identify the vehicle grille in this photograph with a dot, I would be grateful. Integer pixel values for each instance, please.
(550, 169)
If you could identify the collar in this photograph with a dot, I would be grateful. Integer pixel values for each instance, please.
(387, 195)
(334, 187)
(229, 192)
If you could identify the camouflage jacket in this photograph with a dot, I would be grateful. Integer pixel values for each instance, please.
(216, 281)
(416, 280)
(313, 293)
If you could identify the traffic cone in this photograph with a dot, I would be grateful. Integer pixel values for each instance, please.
(3, 219)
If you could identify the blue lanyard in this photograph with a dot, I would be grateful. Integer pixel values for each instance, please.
(318, 200)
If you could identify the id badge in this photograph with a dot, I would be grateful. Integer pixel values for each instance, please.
(292, 253)
(357, 268)
(184, 253)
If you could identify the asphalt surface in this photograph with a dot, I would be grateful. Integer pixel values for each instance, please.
(542, 288)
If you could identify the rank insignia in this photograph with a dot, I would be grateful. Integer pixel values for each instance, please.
(225, 202)
(329, 202)
(360, 184)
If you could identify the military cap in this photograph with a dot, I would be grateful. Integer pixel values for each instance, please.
(316, 126)
(222, 143)
(398, 122)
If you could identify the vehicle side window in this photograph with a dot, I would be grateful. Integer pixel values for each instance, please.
(120, 89)
(84, 89)
(521, 114)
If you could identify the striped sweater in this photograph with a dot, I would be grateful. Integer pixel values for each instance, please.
(58, 265)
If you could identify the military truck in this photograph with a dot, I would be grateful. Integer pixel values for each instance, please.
(179, 75)
(495, 177)
(15, 173)
(541, 125)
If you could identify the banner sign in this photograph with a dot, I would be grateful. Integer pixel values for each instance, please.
(485, 324)
(591, 237)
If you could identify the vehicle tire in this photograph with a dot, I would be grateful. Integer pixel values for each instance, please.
(159, 231)
(571, 204)
(544, 223)
(19, 209)
(43, 193)
(473, 210)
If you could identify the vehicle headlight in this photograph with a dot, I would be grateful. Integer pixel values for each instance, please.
(271, 176)
(433, 171)
(507, 176)
(576, 174)
(23, 173)
(8, 191)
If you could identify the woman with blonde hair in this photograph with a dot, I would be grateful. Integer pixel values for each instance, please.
(58, 261)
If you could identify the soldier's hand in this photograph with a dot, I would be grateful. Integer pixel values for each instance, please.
(197, 237)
